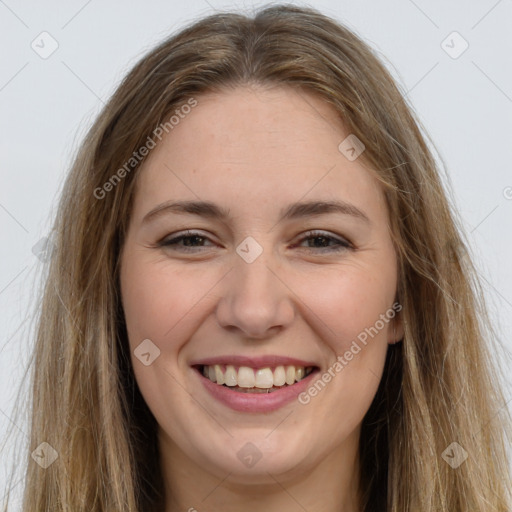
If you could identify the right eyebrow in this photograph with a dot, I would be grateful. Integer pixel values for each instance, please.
(202, 208)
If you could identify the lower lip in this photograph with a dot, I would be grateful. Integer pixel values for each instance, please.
(256, 402)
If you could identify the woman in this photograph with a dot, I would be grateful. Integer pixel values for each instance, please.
(194, 354)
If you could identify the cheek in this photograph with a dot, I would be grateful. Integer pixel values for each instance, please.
(158, 301)
(349, 303)
(158, 304)
(349, 307)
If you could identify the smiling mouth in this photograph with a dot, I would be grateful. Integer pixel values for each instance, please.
(245, 379)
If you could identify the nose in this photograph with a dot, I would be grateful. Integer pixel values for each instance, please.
(255, 299)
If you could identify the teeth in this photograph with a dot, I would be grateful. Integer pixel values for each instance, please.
(279, 376)
(219, 376)
(246, 377)
(230, 376)
(262, 378)
(290, 375)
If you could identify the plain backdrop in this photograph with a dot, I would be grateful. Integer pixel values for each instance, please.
(47, 102)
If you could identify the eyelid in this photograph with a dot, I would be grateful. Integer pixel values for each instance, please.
(183, 234)
(342, 242)
(312, 233)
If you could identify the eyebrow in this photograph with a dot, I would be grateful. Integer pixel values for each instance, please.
(293, 211)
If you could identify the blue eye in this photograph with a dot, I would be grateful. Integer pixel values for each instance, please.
(193, 240)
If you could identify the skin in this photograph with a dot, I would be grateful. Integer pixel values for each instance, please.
(255, 150)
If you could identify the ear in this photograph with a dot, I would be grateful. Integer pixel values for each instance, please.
(396, 329)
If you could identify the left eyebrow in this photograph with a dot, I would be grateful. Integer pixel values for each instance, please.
(313, 208)
(292, 211)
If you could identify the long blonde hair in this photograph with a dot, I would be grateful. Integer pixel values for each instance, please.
(439, 385)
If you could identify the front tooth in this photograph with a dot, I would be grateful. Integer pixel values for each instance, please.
(299, 373)
(219, 375)
(230, 376)
(246, 377)
(264, 378)
(290, 375)
(279, 376)
(211, 373)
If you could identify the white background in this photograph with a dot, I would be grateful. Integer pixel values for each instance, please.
(46, 106)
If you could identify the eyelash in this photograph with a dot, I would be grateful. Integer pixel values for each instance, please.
(342, 244)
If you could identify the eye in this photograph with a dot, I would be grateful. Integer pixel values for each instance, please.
(321, 241)
(190, 241)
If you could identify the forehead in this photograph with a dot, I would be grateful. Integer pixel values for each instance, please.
(256, 148)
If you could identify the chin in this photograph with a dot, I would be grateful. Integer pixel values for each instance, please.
(253, 462)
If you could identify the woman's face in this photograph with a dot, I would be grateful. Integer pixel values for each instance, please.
(267, 292)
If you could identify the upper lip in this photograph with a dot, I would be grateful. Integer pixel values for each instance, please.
(253, 362)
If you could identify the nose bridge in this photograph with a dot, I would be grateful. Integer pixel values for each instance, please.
(254, 299)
